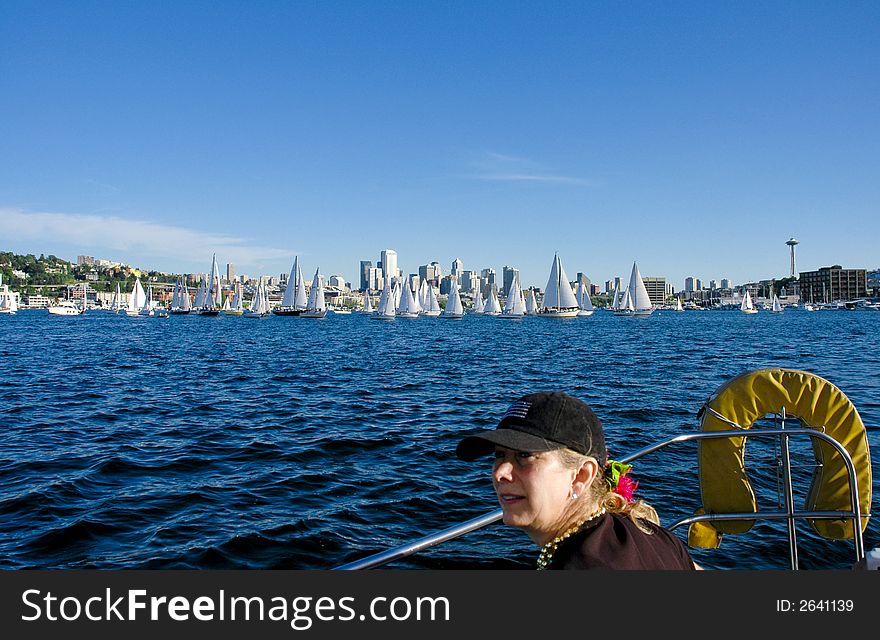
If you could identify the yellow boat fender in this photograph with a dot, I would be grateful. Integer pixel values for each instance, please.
(815, 402)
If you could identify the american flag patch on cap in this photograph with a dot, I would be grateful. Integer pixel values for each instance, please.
(518, 409)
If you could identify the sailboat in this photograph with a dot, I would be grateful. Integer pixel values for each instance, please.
(368, 306)
(585, 304)
(8, 303)
(636, 301)
(479, 305)
(236, 307)
(116, 303)
(531, 303)
(747, 305)
(316, 307)
(678, 306)
(409, 307)
(136, 300)
(776, 306)
(515, 305)
(559, 300)
(432, 305)
(294, 301)
(386, 309)
(454, 309)
(211, 304)
(147, 308)
(260, 304)
(493, 307)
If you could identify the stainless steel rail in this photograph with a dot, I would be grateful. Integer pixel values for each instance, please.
(790, 514)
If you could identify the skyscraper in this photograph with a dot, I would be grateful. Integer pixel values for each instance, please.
(366, 265)
(507, 276)
(389, 264)
(230, 272)
(457, 268)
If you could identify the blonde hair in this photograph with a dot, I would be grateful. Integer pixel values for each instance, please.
(638, 511)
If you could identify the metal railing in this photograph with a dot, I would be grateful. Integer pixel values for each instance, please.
(789, 513)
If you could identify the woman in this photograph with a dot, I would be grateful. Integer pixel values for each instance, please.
(555, 482)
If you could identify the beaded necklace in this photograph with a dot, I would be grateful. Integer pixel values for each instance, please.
(549, 549)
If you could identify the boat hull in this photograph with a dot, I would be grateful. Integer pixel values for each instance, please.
(560, 313)
(287, 312)
(313, 314)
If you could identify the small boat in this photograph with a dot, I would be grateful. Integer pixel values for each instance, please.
(479, 305)
(295, 299)
(409, 306)
(236, 307)
(747, 305)
(136, 300)
(531, 303)
(8, 303)
(147, 308)
(386, 309)
(585, 304)
(493, 307)
(211, 303)
(368, 306)
(431, 307)
(636, 301)
(678, 306)
(559, 299)
(340, 311)
(454, 309)
(515, 305)
(775, 307)
(66, 308)
(316, 307)
(260, 304)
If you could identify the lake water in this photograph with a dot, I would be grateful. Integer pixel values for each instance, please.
(194, 442)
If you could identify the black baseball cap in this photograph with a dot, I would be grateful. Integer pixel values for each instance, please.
(543, 421)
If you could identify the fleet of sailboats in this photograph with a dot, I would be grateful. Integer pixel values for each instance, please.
(585, 303)
(635, 301)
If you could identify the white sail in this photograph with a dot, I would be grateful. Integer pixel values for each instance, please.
(515, 305)
(454, 308)
(137, 299)
(585, 304)
(386, 308)
(201, 294)
(777, 306)
(300, 300)
(117, 300)
(532, 303)
(747, 305)
(493, 307)
(678, 306)
(396, 292)
(641, 301)
(226, 305)
(423, 295)
(289, 299)
(558, 295)
(185, 301)
(237, 299)
(432, 305)
(212, 298)
(479, 305)
(409, 306)
(316, 307)
(368, 307)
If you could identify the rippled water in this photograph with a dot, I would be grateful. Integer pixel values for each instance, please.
(194, 442)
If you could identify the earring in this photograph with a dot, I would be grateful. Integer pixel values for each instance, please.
(574, 495)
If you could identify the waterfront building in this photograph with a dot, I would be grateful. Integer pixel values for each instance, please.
(35, 301)
(389, 265)
(364, 274)
(873, 282)
(834, 283)
(656, 288)
(725, 283)
(469, 281)
(457, 268)
(690, 284)
(338, 281)
(431, 273)
(508, 274)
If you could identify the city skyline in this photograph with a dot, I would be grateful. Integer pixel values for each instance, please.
(695, 140)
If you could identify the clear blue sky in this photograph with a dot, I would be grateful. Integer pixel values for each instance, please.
(692, 137)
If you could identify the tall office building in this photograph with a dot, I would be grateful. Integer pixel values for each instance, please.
(389, 264)
(469, 281)
(430, 273)
(365, 267)
(457, 268)
(725, 283)
(507, 276)
(690, 283)
(656, 289)
(582, 277)
(230, 272)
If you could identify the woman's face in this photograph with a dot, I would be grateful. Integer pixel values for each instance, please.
(534, 490)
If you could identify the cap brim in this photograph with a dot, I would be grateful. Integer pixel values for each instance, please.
(483, 443)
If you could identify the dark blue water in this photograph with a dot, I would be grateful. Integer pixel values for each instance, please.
(194, 442)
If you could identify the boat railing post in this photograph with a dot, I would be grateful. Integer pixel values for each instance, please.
(787, 493)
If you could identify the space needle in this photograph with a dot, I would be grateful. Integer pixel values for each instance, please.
(792, 243)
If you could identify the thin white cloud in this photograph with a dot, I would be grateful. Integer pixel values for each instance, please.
(500, 167)
(122, 237)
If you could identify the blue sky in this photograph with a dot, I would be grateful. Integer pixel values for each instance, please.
(692, 137)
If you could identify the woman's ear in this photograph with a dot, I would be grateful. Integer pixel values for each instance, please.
(585, 475)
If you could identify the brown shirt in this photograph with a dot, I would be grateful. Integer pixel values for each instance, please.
(615, 542)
